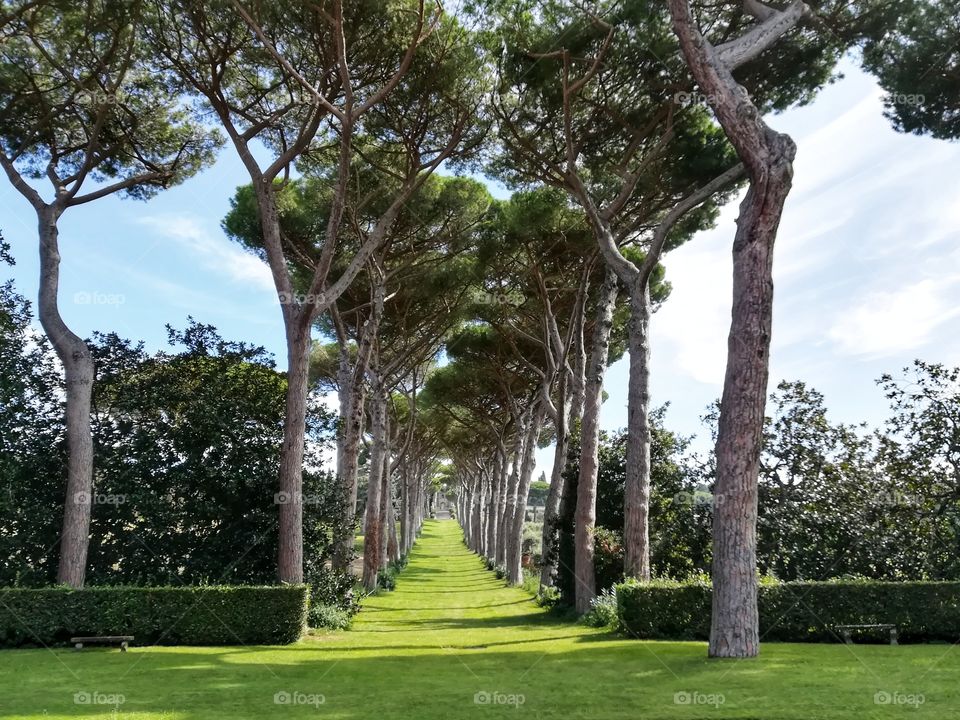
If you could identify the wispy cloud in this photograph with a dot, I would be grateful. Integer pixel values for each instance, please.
(883, 323)
(213, 250)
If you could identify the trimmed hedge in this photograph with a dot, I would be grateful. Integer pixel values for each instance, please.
(209, 615)
(797, 611)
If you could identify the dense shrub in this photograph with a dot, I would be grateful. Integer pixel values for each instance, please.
(387, 577)
(329, 616)
(607, 557)
(210, 615)
(797, 611)
(333, 589)
(603, 610)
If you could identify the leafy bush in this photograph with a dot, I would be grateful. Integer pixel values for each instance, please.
(603, 610)
(209, 615)
(797, 611)
(329, 616)
(549, 597)
(607, 557)
(387, 577)
(332, 589)
(500, 571)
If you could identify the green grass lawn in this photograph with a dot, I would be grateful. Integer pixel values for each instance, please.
(453, 642)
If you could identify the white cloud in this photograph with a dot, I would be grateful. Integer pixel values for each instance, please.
(883, 323)
(215, 251)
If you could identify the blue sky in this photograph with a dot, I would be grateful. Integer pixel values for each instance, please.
(867, 267)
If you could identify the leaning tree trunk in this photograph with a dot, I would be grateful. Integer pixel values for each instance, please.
(548, 538)
(504, 521)
(78, 373)
(348, 455)
(496, 477)
(515, 543)
(768, 159)
(586, 512)
(372, 529)
(636, 534)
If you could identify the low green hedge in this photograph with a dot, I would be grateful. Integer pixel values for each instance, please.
(212, 615)
(797, 611)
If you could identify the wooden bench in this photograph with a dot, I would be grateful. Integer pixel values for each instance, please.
(847, 631)
(124, 640)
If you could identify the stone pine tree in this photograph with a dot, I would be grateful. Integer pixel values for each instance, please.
(84, 115)
(307, 80)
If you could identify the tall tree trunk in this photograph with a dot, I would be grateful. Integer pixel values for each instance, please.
(372, 529)
(290, 556)
(586, 511)
(78, 373)
(768, 158)
(636, 535)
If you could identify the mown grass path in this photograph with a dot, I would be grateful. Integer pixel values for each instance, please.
(452, 642)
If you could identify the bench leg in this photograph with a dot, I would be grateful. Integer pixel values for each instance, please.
(123, 646)
(78, 646)
(847, 637)
(893, 636)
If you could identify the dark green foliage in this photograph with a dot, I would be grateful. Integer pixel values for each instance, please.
(211, 615)
(387, 578)
(917, 63)
(186, 451)
(797, 611)
(32, 447)
(332, 590)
